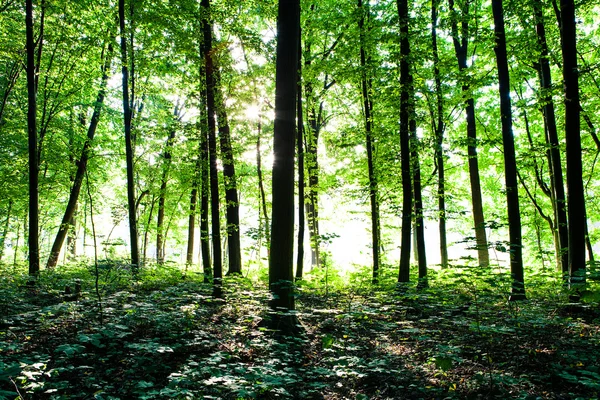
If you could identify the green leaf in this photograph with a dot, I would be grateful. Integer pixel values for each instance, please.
(443, 363)
(327, 341)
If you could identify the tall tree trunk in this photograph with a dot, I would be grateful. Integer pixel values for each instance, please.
(418, 199)
(300, 150)
(71, 208)
(189, 254)
(261, 186)
(405, 109)
(34, 255)
(575, 193)
(461, 42)
(552, 140)
(6, 227)
(439, 138)
(231, 193)
(510, 165)
(162, 194)
(129, 150)
(281, 274)
(212, 152)
(204, 203)
(366, 84)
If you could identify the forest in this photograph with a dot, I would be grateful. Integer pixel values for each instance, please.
(264, 199)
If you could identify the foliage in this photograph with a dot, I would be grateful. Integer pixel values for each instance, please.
(164, 336)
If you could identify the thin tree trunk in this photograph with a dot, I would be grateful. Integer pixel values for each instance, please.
(33, 241)
(405, 109)
(439, 138)
(167, 157)
(366, 83)
(510, 165)
(204, 207)
(301, 182)
(212, 153)
(81, 165)
(461, 47)
(129, 150)
(552, 140)
(231, 192)
(312, 160)
(418, 199)
(6, 226)
(189, 255)
(575, 195)
(261, 186)
(146, 231)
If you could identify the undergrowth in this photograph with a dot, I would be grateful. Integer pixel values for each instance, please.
(161, 335)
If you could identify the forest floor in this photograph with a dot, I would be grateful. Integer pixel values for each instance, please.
(166, 337)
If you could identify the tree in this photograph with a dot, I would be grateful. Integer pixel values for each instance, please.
(367, 85)
(212, 150)
(510, 164)
(461, 44)
(281, 276)
(83, 161)
(438, 127)
(231, 188)
(300, 152)
(547, 105)
(575, 192)
(129, 150)
(405, 110)
(32, 71)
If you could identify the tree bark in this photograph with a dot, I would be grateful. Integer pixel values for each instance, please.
(6, 226)
(439, 138)
(212, 152)
(575, 189)
(510, 165)
(552, 140)
(281, 277)
(71, 208)
(301, 182)
(33, 240)
(405, 109)
(366, 85)
(129, 150)
(461, 42)
(232, 203)
(162, 194)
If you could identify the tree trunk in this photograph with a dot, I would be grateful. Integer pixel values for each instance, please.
(439, 138)
(418, 199)
(281, 276)
(167, 156)
(71, 208)
(34, 255)
(510, 165)
(460, 47)
(231, 193)
(575, 194)
(366, 84)
(261, 186)
(311, 204)
(301, 182)
(212, 152)
(189, 254)
(204, 207)
(129, 150)
(6, 227)
(405, 109)
(552, 140)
